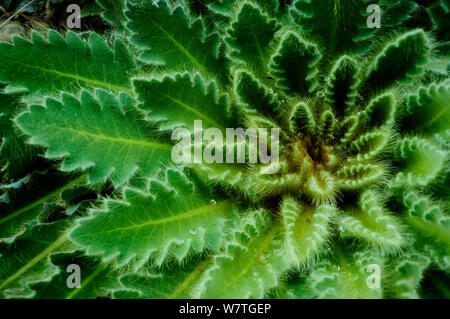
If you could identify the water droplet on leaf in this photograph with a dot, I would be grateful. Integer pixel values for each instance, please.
(179, 241)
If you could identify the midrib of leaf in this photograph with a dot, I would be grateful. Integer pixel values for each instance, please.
(427, 227)
(258, 47)
(121, 140)
(263, 246)
(182, 48)
(189, 108)
(436, 117)
(190, 213)
(92, 82)
(43, 199)
(92, 276)
(338, 16)
(61, 240)
(189, 279)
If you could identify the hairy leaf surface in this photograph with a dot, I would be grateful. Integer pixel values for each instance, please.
(70, 128)
(171, 219)
(49, 65)
(173, 39)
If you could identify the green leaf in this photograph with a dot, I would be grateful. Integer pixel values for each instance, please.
(255, 95)
(16, 158)
(307, 231)
(27, 199)
(175, 217)
(97, 279)
(346, 275)
(341, 26)
(372, 223)
(380, 112)
(373, 126)
(419, 161)
(428, 111)
(179, 100)
(400, 59)
(46, 66)
(347, 130)
(341, 85)
(302, 119)
(177, 282)
(225, 174)
(227, 7)
(327, 125)
(249, 36)
(368, 146)
(360, 175)
(321, 187)
(431, 221)
(172, 39)
(333, 22)
(102, 134)
(27, 258)
(439, 254)
(113, 11)
(89, 9)
(294, 64)
(251, 263)
(405, 275)
(440, 17)
(296, 287)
